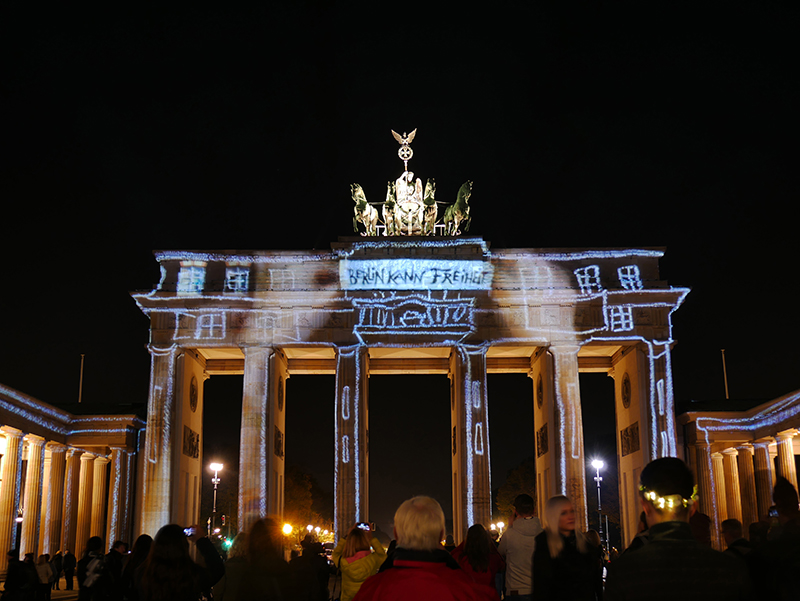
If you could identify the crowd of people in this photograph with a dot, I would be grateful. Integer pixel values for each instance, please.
(547, 560)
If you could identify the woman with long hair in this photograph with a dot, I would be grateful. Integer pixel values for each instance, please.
(169, 574)
(140, 551)
(355, 558)
(478, 556)
(564, 566)
(266, 575)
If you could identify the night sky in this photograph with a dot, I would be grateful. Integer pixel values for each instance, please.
(129, 128)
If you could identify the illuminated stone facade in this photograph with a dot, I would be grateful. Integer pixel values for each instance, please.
(736, 456)
(429, 306)
(64, 478)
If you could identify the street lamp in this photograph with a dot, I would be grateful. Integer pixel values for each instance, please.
(216, 468)
(598, 464)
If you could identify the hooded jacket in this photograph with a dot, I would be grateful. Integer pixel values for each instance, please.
(516, 547)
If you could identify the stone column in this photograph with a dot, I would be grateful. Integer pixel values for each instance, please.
(33, 496)
(663, 437)
(117, 497)
(253, 474)
(568, 430)
(786, 464)
(765, 480)
(158, 447)
(9, 492)
(84, 515)
(732, 495)
(351, 438)
(98, 524)
(705, 486)
(54, 501)
(747, 486)
(70, 508)
(470, 422)
(45, 488)
(719, 490)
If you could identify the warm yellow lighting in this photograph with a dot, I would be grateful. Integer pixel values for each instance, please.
(317, 529)
(309, 527)
(501, 525)
(287, 529)
(216, 467)
(493, 527)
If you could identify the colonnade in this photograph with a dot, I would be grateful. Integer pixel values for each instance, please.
(63, 478)
(736, 481)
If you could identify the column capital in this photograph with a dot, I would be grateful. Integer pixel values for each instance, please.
(86, 456)
(785, 435)
(12, 432)
(101, 459)
(56, 447)
(745, 448)
(729, 451)
(34, 440)
(156, 350)
(762, 443)
(565, 348)
(73, 452)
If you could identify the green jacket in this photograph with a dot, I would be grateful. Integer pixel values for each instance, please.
(354, 574)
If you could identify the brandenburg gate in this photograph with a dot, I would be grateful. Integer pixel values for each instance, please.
(446, 305)
(410, 295)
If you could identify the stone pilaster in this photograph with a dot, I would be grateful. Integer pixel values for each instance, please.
(54, 500)
(70, 511)
(786, 464)
(705, 485)
(470, 422)
(719, 489)
(158, 447)
(732, 495)
(747, 486)
(117, 496)
(351, 450)
(765, 480)
(98, 527)
(84, 515)
(9, 492)
(253, 474)
(568, 430)
(33, 495)
(720, 511)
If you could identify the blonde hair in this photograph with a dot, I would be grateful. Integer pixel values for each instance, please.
(419, 524)
(552, 513)
(357, 540)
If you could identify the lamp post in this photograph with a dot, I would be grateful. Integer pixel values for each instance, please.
(216, 468)
(597, 464)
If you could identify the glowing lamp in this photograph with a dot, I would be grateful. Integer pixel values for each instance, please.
(287, 529)
(598, 464)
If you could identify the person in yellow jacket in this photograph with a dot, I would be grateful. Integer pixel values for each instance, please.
(356, 560)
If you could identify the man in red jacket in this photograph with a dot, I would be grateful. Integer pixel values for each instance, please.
(420, 568)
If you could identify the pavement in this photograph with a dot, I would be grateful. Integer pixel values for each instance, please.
(64, 594)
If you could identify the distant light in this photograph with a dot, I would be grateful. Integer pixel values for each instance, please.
(216, 467)
(287, 529)
(598, 464)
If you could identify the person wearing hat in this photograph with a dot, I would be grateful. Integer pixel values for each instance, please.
(516, 547)
(673, 564)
